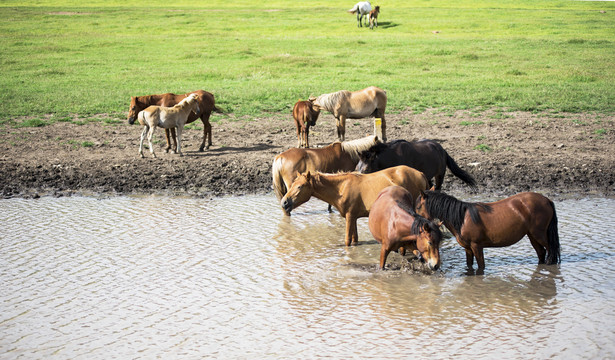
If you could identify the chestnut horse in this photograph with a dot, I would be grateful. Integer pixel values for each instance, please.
(497, 224)
(372, 17)
(424, 155)
(167, 118)
(352, 194)
(337, 157)
(362, 9)
(394, 224)
(304, 116)
(206, 104)
(371, 101)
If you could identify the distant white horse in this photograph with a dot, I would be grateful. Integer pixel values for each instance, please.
(167, 118)
(361, 8)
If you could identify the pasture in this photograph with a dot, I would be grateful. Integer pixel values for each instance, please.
(65, 58)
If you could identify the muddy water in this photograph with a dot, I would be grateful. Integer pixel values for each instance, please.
(144, 277)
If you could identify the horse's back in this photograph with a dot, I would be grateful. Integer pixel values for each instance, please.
(409, 178)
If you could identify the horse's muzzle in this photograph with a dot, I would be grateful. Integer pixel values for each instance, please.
(287, 205)
(131, 120)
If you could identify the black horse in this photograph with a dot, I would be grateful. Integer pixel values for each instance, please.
(424, 155)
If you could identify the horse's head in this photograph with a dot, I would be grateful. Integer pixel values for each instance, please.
(428, 243)
(135, 107)
(299, 192)
(420, 204)
(368, 159)
(314, 104)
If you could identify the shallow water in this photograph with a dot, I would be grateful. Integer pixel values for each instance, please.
(143, 277)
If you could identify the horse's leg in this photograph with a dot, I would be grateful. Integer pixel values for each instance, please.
(149, 140)
(469, 258)
(143, 134)
(180, 129)
(384, 253)
(167, 136)
(358, 18)
(480, 257)
(351, 230)
(439, 180)
(307, 137)
(299, 136)
(341, 127)
(206, 131)
(383, 125)
(540, 245)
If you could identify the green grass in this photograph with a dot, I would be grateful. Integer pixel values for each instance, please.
(70, 57)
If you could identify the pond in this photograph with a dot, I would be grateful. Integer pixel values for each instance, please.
(232, 277)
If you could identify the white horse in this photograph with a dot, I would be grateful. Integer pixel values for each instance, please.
(361, 8)
(167, 118)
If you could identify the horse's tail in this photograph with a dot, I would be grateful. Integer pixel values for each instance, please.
(354, 9)
(459, 172)
(218, 110)
(553, 248)
(279, 187)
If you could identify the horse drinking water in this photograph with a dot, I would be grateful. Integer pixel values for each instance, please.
(394, 224)
(352, 194)
(497, 224)
(167, 117)
(343, 104)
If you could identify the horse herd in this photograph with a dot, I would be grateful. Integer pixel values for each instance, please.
(389, 182)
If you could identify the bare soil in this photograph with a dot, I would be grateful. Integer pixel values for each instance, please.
(558, 155)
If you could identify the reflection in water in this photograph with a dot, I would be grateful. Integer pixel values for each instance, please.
(233, 277)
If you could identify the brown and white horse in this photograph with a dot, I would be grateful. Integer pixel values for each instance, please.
(206, 104)
(373, 17)
(343, 104)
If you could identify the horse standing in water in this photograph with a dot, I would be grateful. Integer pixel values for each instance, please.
(352, 194)
(426, 156)
(343, 104)
(497, 224)
(362, 9)
(304, 116)
(206, 104)
(337, 157)
(394, 224)
(167, 117)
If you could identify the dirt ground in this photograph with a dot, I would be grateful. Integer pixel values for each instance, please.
(566, 155)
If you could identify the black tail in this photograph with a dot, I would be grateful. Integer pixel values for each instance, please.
(553, 249)
(218, 110)
(460, 173)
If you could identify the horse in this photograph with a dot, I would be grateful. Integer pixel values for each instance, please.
(352, 194)
(336, 157)
(206, 104)
(304, 116)
(372, 17)
(496, 224)
(343, 104)
(394, 224)
(167, 117)
(424, 155)
(361, 8)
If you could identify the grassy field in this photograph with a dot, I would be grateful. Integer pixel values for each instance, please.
(65, 59)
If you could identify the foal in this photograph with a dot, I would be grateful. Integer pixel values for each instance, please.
(167, 118)
(305, 116)
(373, 17)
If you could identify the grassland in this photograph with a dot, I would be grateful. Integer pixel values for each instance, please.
(63, 58)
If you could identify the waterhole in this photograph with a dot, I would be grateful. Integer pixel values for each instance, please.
(232, 277)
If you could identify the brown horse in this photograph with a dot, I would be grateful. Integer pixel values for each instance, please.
(371, 101)
(372, 17)
(337, 157)
(352, 194)
(497, 224)
(206, 104)
(304, 116)
(424, 155)
(394, 224)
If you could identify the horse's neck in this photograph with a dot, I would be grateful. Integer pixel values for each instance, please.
(148, 100)
(326, 188)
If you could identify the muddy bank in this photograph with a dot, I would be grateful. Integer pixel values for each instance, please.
(559, 155)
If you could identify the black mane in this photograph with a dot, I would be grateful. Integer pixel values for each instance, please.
(451, 210)
(419, 221)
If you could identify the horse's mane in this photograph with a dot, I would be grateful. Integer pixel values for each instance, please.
(186, 101)
(377, 148)
(355, 147)
(449, 209)
(329, 101)
(419, 221)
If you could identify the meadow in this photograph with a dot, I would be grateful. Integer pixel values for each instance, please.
(63, 58)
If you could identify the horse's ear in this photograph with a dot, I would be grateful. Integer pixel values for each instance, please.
(433, 188)
(439, 223)
(308, 175)
(426, 227)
